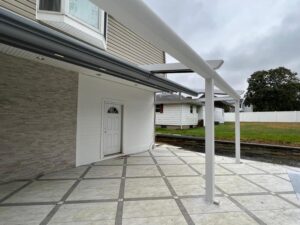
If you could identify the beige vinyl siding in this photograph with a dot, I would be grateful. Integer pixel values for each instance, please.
(123, 43)
(25, 8)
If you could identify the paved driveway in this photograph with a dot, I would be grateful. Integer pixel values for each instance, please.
(165, 186)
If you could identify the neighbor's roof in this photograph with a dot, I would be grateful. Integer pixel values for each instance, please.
(29, 35)
(169, 99)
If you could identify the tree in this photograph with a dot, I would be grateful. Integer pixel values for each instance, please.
(274, 90)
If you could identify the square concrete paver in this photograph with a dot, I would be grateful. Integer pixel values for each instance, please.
(242, 169)
(292, 198)
(72, 173)
(168, 160)
(96, 190)
(194, 159)
(263, 202)
(111, 162)
(142, 171)
(237, 185)
(186, 153)
(163, 220)
(141, 154)
(140, 160)
(162, 153)
(177, 170)
(224, 159)
(199, 206)
(150, 208)
(19, 215)
(280, 217)
(268, 167)
(42, 191)
(6, 189)
(91, 213)
(218, 169)
(187, 186)
(145, 188)
(271, 182)
(228, 218)
(104, 171)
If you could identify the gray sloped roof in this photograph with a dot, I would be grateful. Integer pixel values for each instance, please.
(175, 99)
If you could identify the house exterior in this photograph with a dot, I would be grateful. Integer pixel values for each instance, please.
(176, 112)
(179, 112)
(71, 89)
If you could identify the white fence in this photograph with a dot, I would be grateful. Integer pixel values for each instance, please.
(284, 116)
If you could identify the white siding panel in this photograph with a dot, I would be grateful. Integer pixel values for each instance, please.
(170, 116)
(189, 118)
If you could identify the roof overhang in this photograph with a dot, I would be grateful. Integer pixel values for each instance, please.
(26, 34)
(137, 16)
(179, 67)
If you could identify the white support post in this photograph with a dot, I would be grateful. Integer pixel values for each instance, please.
(209, 141)
(237, 132)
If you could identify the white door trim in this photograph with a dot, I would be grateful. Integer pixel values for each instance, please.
(112, 101)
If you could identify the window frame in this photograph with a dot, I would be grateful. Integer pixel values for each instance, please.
(65, 11)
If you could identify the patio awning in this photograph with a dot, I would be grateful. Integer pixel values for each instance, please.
(179, 67)
(29, 35)
(138, 17)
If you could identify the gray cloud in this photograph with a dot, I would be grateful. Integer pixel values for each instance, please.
(249, 35)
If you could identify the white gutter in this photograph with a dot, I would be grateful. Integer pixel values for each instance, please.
(138, 17)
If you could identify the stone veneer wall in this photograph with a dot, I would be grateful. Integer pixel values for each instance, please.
(38, 114)
(266, 153)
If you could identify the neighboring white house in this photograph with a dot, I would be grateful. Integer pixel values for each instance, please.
(179, 112)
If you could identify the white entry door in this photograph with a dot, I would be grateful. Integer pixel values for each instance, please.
(112, 128)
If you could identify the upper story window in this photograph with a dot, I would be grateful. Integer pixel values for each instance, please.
(79, 18)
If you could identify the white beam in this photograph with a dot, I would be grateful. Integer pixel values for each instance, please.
(209, 141)
(237, 132)
(138, 17)
(178, 67)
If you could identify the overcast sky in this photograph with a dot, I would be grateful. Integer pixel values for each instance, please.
(249, 35)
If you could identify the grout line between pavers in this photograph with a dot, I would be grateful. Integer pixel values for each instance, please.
(179, 203)
(119, 213)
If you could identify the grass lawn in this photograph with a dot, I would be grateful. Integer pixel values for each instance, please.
(269, 133)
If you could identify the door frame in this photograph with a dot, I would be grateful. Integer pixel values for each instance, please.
(122, 105)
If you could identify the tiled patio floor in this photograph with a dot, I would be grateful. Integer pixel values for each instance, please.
(165, 186)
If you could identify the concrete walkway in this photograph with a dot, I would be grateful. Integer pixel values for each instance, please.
(165, 186)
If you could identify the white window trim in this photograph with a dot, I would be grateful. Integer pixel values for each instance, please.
(64, 16)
